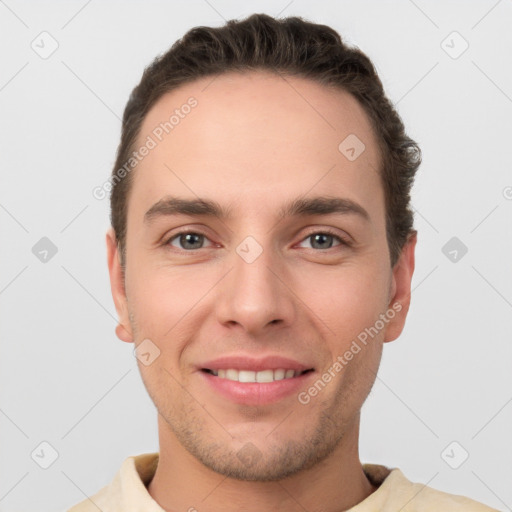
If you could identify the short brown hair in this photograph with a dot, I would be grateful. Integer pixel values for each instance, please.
(292, 46)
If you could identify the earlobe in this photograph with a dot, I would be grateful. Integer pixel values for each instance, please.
(123, 334)
(117, 286)
(400, 295)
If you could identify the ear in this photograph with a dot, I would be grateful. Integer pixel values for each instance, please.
(400, 293)
(123, 330)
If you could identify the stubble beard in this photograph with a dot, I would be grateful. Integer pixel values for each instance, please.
(279, 458)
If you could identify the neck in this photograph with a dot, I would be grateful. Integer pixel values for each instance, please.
(181, 482)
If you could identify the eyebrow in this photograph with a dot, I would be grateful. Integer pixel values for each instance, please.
(321, 205)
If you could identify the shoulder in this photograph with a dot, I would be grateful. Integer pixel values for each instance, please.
(397, 492)
(426, 498)
(127, 489)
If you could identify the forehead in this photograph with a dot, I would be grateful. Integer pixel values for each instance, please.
(252, 134)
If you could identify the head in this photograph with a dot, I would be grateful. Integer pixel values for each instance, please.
(273, 145)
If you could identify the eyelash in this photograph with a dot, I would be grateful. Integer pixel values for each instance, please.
(342, 241)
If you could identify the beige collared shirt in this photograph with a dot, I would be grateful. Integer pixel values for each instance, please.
(127, 492)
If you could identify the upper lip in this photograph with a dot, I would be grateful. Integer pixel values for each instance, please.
(240, 362)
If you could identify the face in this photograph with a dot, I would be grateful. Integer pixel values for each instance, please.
(256, 249)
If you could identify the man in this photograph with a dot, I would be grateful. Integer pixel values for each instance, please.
(261, 253)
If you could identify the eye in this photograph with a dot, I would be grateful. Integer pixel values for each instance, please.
(188, 240)
(324, 240)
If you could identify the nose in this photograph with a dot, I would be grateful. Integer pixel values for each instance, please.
(255, 295)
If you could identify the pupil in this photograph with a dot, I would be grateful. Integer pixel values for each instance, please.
(321, 238)
(188, 238)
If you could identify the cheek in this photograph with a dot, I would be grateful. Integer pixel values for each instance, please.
(161, 296)
(167, 305)
(347, 299)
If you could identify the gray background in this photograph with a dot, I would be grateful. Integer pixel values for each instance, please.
(65, 377)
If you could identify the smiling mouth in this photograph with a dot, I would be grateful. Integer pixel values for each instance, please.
(262, 376)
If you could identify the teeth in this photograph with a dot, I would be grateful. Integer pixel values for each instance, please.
(251, 376)
(279, 374)
(246, 376)
(265, 376)
(232, 374)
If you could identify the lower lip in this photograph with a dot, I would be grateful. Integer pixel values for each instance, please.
(256, 393)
